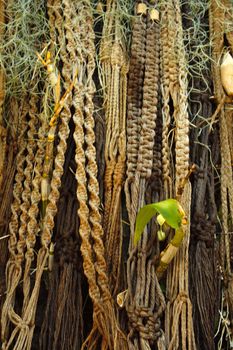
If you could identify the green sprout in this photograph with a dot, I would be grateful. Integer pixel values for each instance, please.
(170, 212)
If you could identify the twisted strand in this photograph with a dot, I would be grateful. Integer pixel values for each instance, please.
(26, 201)
(179, 309)
(83, 211)
(150, 101)
(25, 335)
(33, 223)
(135, 92)
(165, 82)
(181, 117)
(216, 20)
(91, 167)
(21, 244)
(63, 134)
(13, 268)
(135, 100)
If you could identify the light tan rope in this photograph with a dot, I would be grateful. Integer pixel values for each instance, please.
(3, 132)
(219, 15)
(178, 316)
(114, 66)
(13, 268)
(169, 88)
(95, 268)
(25, 325)
(145, 302)
(33, 225)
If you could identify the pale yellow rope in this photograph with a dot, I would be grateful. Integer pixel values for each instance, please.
(178, 316)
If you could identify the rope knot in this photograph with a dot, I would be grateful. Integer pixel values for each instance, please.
(144, 321)
(117, 56)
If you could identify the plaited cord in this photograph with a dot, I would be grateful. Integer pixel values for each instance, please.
(178, 316)
(13, 268)
(3, 132)
(25, 334)
(114, 65)
(145, 302)
(220, 16)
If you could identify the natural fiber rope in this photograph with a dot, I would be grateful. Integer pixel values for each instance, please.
(21, 244)
(3, 132)
(135, 87)
(179, 309)
(217, 16)
(31, 149)
(169, 87)
(145, 303)
(33, 225)
(203, 250)
(114, 69)
(104, 322)
(135, 101)
(25, 334)
(13, 268)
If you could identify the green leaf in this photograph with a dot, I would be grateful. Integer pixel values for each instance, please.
(170, 209)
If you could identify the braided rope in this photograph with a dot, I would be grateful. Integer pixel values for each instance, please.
(114, 69)
(135, 87)
(144, 307)
(150, 101)
(33, 226)
(26, 333)
(167, 52)
(13, 268)
(25, 204)
(90, 153)
(216, 22)
(135, 101)
(63, 133)
(217, 18)
(181, 114)
(178, 316)
(3, 132)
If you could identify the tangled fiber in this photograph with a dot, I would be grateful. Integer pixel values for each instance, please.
(105, 106)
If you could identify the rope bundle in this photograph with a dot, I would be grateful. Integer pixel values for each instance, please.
(145, 302)
(137, 134)
(220, 17)
(178, 316)
(114, 68)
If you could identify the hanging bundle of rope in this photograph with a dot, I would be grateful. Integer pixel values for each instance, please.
(30, 226)
(145, 301)
(6, 197)
(178, 316)
(14, 269)
(114, 66)
(221, 19)
(202, 254)
(63, 321)
(2, 97)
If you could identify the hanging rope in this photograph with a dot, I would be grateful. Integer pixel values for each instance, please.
(178, 316)
(145, 302)
(220, 17)
(114, 66)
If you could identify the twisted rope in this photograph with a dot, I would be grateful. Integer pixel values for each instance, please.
(114, 65)
(145, 302)
(178, 316)
(25, 334)
(13, 268)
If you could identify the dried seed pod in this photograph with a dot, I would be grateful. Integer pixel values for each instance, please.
(121, 298)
